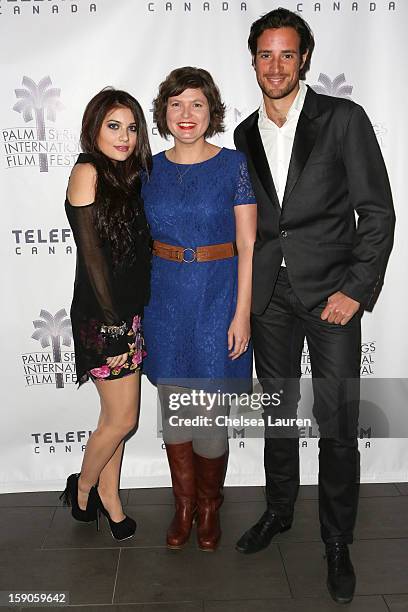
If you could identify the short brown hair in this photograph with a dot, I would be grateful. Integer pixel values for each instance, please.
(283, 18)
(185, 78)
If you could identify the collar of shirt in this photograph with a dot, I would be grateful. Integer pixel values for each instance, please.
(296, 108)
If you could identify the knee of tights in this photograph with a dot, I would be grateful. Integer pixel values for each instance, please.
(211, 449)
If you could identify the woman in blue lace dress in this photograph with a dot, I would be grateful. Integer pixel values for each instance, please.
(202, 214)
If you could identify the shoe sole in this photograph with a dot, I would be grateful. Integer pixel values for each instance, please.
(121, 539)
(171, 547)
(210, 550)
(244, 551)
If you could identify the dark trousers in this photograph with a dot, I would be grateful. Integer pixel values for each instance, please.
(278, 338)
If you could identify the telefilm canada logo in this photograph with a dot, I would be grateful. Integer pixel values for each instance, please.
(220, 6)
(35, 241)
(52, 7)
(52, 365)
(339, 7)
(53, 442)
(223, 6)
(34, 143)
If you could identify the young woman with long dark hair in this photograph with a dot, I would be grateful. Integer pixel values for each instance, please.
(105, 211)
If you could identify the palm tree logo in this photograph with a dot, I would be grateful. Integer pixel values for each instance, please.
(50, 330)
(338, 87)
(37, 99)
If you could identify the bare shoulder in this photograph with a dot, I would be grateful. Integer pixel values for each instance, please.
(82, 184)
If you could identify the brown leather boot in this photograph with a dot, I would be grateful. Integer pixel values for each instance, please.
(209, 481)
(180, 457)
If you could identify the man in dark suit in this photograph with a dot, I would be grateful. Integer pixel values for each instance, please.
(315, 165)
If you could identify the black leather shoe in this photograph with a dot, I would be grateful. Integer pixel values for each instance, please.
(260, 535)
(341, 579)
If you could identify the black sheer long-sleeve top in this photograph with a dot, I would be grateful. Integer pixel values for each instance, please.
(106, 296)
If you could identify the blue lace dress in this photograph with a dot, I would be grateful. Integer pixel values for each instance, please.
(192, 304)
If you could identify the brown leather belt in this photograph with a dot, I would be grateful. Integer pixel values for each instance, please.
(189, 255)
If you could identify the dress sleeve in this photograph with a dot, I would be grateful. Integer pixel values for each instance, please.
(98, 270)
(244, 194)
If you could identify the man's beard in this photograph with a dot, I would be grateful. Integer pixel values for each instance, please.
(278, 94)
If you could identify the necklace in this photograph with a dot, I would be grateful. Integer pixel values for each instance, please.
(182, 174)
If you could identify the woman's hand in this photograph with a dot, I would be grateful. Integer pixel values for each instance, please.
(239, 334)
(239, 331)
(117, 361)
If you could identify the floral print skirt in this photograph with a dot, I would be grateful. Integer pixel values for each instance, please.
(134, 359)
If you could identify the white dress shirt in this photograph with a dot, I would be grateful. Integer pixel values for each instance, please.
(278, 141)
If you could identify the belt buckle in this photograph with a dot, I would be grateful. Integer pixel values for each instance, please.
(189, 260)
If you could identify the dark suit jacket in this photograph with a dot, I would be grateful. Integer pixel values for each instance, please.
(336, 170)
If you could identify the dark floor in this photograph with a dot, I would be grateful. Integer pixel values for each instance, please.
(43, 549)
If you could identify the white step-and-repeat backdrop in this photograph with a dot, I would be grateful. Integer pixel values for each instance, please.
(56, 54)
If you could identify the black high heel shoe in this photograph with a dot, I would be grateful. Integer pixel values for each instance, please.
(69, 497)
(120, 531)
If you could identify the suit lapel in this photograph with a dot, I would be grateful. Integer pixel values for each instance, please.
(305, 137)
(259, 159)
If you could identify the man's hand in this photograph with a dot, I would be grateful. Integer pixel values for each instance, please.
(339, 309)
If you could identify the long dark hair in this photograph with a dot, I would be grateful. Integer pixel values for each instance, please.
(116, 183)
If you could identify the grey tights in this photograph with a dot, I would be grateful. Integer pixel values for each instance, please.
(209, 442)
